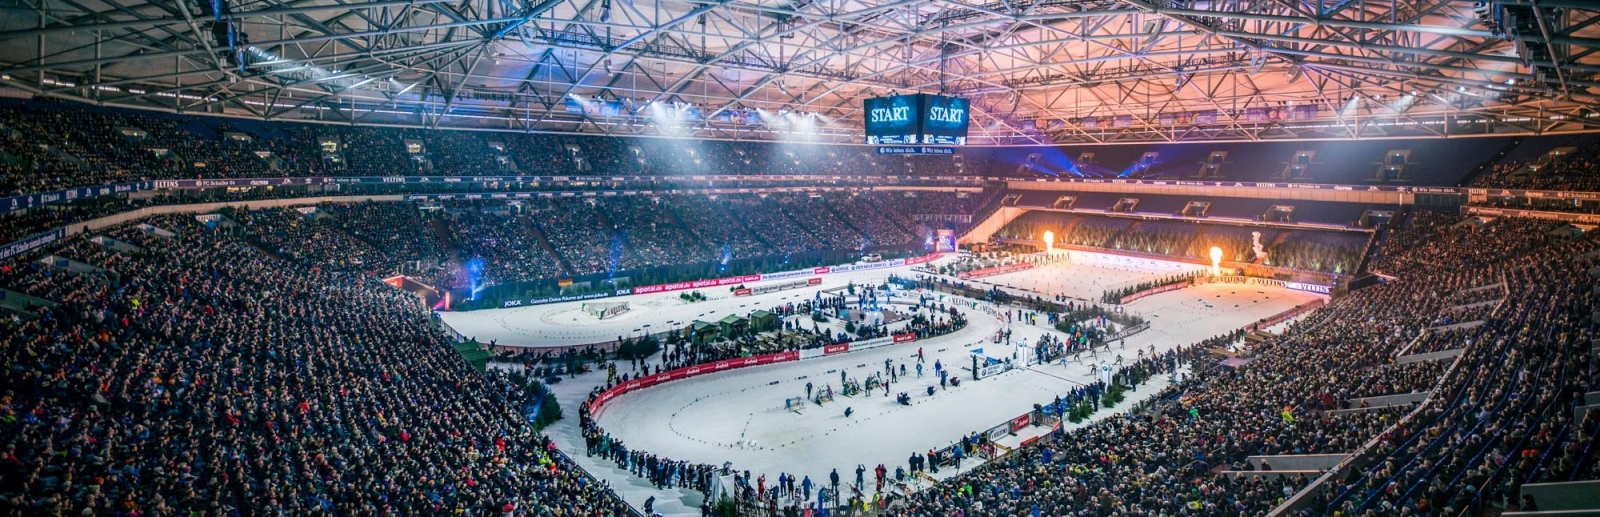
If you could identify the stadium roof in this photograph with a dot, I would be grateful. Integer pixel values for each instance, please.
(1038, 71)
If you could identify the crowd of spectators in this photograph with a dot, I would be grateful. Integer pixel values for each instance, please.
(51, 145)
(399, 229)
(877, 218)
(1298, 249)
(1579, 170)
(1319, 251)
(1503, 417)
(1393, 379)
(539, 238)
(465, 153)
(1575, 171)
(506, 241)
(174, 339)
(212, 378)
(813, 216)
(1237, 243)
(581, 234)
(309, 237)
(653, 234)
(708, 219)
(51, 148)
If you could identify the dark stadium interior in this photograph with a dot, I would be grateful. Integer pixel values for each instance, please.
(224, 265)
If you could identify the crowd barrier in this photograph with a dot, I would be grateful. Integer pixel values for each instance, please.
(743, 362)
(1154, 291)
(997, 270)
(726, 281)
(1287, 315)
(1270, 282)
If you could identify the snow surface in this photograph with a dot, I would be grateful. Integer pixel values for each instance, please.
(738, 416)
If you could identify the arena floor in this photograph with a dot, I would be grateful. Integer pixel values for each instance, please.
(738, 416)
(565, 324)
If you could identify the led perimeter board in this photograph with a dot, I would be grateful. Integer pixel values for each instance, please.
(944, 120)
(892, 120)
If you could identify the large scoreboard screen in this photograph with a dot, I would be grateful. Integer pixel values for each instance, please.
(892, 120)
(944, 120)
(916, 119)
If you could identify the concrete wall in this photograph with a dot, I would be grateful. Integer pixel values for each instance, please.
(1286, 194)
(1467, 325)
(1316, 462)
(205, 208)
(982, 230)
(1571, 495)
(1391, 400)
(1430, 356)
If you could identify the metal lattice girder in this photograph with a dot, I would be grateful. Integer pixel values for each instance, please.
(1037, 70)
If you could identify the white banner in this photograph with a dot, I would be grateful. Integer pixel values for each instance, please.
(871, 343)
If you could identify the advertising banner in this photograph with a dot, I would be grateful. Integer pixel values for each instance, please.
(1020, 422)
(691, 371)
(569, 298)
(697, 284)
(1153, 291)
(1310, 288)
(836, 349)
(31, 243)
(1536, 214)
(28, 201)
(871, 343)
(790, 274)
(764, 289)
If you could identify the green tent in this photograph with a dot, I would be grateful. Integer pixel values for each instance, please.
(701, 332)
(763, 321)
(733, 325)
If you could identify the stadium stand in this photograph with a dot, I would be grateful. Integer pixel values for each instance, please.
(1285, 402)
(138, 398)
(1497, 420)
(108, 145)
